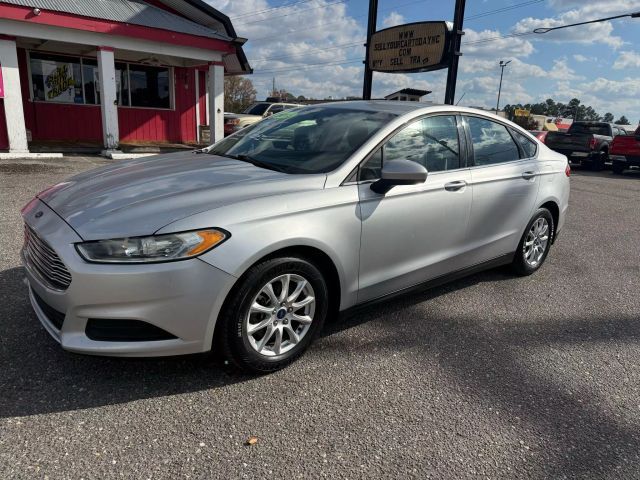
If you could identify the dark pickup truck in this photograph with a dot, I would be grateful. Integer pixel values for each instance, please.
(585, 143)
(625, 152)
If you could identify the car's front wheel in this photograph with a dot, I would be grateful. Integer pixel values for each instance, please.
(535, 243)
(273, 315)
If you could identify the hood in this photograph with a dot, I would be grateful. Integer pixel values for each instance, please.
(138, 197)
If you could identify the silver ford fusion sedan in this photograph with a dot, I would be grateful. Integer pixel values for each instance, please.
(247, 246)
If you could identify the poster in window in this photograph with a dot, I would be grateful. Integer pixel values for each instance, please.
(59, 83)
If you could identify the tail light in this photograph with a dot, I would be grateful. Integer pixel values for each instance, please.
(567, 171)
(232, 121)
(592, 143)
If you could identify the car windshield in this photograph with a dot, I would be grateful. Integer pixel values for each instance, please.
(257, 109)
(593, 128)
(303, 140)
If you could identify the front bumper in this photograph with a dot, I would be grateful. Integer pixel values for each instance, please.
(182, 298)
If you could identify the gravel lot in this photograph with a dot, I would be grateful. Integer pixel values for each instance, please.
(492, 376)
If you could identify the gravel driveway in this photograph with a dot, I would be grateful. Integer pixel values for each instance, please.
(492, 376)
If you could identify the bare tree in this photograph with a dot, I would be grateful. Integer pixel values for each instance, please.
(239, 93)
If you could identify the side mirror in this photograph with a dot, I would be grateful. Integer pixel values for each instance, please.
(268, 114)
(399, 172)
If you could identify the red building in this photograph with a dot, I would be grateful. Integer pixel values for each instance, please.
(110, 71)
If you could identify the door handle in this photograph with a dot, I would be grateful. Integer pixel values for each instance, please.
(454, 186)
(528, 175)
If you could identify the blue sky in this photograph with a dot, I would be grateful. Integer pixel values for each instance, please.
(313, 48)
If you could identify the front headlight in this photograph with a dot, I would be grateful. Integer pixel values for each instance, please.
(156, 248)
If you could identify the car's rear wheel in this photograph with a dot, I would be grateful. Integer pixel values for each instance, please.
(535, 243)
(274, 314)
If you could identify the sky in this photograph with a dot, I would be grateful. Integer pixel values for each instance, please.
(315, 48)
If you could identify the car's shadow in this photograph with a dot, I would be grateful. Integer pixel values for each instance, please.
(38, 377)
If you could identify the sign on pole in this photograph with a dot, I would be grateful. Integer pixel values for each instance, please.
(521, 112)
(414, 47)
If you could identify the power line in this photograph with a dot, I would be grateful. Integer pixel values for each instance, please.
(298, 12)
(280, 7)
(503, 9)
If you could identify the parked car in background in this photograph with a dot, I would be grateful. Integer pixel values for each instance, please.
(539, 134)
(256, 112)
(585, 143)
(248, 245)
(625, 152)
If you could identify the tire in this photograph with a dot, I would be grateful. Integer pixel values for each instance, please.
(598, 164)
(523, 263)
(618, 168)
(249, 352)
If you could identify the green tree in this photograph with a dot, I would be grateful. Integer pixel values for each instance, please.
(238, 93)
(608, 117)
(622, 121)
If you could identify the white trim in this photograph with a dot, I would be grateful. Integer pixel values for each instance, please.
(13, 107)
(60, 34)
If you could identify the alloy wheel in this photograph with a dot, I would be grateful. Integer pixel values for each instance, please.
(280, 315)
(535, 245)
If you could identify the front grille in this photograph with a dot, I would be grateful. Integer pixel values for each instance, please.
(54, 316)
(44, 261)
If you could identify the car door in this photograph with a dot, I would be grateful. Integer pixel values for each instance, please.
(505, 180)
(414, 233)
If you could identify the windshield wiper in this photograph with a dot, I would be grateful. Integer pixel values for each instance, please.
(256, 162)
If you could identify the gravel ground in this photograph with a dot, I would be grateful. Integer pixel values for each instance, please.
(492, 376)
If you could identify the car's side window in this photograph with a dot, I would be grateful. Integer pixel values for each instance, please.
(491, 141)
(529, 147)
(432, 142)
(276, 109)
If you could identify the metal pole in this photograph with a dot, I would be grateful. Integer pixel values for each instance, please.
(371, 29)
(452, 74)
(502, 65)
(500, 87)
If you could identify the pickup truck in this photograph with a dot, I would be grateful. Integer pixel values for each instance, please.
(585, 143)
(625, 152)
(256, 112)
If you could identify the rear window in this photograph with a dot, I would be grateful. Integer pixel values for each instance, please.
(592, 128)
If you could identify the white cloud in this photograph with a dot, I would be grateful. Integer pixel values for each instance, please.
(492, 44)
(393, 19)
(580, 58)
(580, 11)
(626, 60)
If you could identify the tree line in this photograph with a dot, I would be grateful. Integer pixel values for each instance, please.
(574, 109)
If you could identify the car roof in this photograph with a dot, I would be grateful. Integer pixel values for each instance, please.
(391, 106)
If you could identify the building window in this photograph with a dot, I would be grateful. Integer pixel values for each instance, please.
(58, 78)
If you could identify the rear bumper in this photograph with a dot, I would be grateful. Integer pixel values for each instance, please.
(630, 160)
(181, 298)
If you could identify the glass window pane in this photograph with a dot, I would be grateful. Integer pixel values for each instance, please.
(370, 170)
(150, 86)
(491, 142)
(56, 78)
(529, 147)
(408, 144)
(122, 84)
(432, 142)
(90, 79)
(442, 146)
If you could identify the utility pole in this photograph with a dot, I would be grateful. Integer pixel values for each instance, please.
(502, 65)
(273, 86)
(456, 39)
(371, 29)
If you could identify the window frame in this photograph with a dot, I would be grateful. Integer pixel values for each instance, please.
(513, 132)
(171, 70)
(353, 177)
(509, 128)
